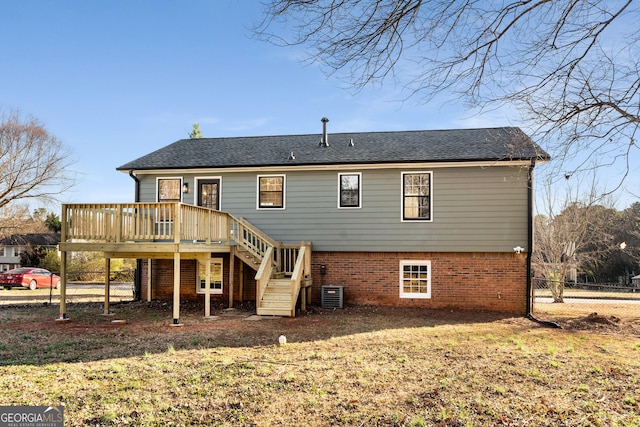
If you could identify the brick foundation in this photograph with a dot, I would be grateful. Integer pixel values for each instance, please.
(162, 281)
(467, 281)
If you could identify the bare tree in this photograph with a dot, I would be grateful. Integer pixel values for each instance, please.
(33, 163)
(16, 219)
(571, 68)
(575, 229)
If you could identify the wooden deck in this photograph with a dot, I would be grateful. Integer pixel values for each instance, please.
(178, 231)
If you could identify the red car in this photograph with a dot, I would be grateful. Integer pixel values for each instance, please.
(29, 277)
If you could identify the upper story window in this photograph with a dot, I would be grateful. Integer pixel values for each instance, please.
(169, 189)
(350, 190)
(416, 196)
(271, 191)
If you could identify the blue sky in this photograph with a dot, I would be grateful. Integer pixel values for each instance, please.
(115, 80)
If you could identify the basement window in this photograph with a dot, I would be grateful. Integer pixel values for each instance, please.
(215, 283)
(415, 279)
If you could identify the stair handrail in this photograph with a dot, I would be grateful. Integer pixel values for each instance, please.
(253, 240)
(301, 270)
(263, 275)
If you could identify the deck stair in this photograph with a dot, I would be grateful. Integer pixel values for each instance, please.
(277, 299)
(248, 258)
(283, 272)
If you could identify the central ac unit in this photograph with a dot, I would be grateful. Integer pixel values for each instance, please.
(332, 296)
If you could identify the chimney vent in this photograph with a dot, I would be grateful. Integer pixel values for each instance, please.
(351, 144)
(325, 139)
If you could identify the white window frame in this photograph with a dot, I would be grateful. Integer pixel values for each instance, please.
(359, 175)
(402, 198)
(284, 192)
(202, 291)
(415, 263)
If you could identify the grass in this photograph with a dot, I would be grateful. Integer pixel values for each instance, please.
(360, 366)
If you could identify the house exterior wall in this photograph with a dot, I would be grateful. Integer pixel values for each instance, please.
(10, 257)
(479, 214)
(162, 281)
(475, 209)
(470, 281)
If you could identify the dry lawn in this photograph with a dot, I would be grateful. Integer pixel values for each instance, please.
(360, 366)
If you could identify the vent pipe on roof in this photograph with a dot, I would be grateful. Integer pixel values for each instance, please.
(324, 142)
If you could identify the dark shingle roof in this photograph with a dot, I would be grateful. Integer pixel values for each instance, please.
(36, 239)
(457, 145)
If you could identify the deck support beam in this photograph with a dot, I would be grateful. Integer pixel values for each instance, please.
(148, 279)
(63, 286)
(207, 287)
(232, 257)
(176, 289)
(107, 285)
(241, 283)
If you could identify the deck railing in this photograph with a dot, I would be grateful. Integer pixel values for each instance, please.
(253, 240)
(301, 271)
(134, 222)
(167, 222)
(163, 222)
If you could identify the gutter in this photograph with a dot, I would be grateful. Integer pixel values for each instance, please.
(530, 216)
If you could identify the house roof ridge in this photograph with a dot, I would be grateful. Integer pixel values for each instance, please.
(377, 147)
(348, 133)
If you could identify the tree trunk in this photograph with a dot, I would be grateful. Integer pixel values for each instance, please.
(557, 290)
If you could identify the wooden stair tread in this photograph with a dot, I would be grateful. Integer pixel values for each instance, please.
(274, 312)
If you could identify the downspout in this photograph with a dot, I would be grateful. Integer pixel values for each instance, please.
(137, 280)
(137, 191)
(529, 299)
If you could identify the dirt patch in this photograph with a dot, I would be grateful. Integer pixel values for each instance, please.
(143, 317)
(602, 323)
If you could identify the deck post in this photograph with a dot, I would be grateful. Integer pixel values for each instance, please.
(232, 256)
(207, 287)
(63, 286)
(107, 285)
(303, 298)
(176, 289)
(149, 280)
(241, 282)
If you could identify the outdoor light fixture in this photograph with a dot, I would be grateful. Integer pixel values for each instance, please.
(185, 187)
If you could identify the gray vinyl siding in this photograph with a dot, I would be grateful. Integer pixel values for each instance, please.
(475, 209)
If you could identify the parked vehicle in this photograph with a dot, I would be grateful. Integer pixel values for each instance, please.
(29, 277)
